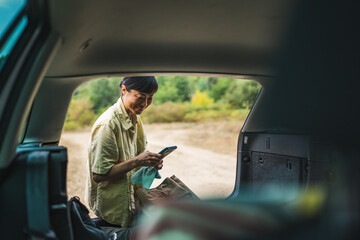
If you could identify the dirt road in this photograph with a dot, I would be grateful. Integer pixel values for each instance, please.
(207, 173)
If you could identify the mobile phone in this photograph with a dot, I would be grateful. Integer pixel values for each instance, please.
(166, 151)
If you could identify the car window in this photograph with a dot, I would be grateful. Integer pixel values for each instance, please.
(11, 26)
(9, 9)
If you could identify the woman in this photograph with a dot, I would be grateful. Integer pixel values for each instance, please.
(117, 149)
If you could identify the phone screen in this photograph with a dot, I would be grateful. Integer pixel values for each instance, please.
(166, 151)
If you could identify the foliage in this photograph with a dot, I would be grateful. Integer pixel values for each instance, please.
(167, 93)
(199, 84)
(183, 88)
(167, 112)
(172, 89)
(201, 99)
(179, 98)
(187, 112)
(104, 93)
(80, 114)
(218, 87)
(242, 94)
(214, 112)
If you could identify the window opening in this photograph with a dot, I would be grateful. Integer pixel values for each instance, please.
(202, 116)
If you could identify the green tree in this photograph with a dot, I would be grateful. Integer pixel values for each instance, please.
(183, 89)
(219, 87)
(80, 114)
(198, 84)
(242, 94)
(167, 92)
(104, 93)
(83, 91)
(172, 89)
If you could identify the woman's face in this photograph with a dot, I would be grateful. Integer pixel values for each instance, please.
(136, 102)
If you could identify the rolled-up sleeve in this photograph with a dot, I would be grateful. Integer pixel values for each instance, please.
(104, 149)
(141, 138)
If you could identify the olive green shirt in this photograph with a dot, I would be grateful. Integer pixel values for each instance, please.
(114, 139)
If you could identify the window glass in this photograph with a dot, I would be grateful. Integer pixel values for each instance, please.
(10, 43)
(9, 9)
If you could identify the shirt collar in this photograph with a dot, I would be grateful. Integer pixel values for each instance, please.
(125, 119)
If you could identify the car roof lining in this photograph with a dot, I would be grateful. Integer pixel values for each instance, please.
(167, 36)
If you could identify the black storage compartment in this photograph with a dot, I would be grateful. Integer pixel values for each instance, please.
(268, 170)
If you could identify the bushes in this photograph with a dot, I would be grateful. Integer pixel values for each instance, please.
(166, 112)
(187, 112)
(216, 112)
(201, 99)
(80, 114)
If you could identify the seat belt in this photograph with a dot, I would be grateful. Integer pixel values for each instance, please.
(37, 197)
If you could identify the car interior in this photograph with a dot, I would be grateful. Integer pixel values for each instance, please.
(303, 130)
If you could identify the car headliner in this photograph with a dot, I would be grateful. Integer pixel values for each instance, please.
(113, 36)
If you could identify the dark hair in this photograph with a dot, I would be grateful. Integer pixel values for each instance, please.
(142, 84)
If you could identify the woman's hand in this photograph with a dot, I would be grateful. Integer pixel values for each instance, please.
(117, 171)
(148, 158)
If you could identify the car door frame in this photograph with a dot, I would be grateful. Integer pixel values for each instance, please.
(22, 75)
